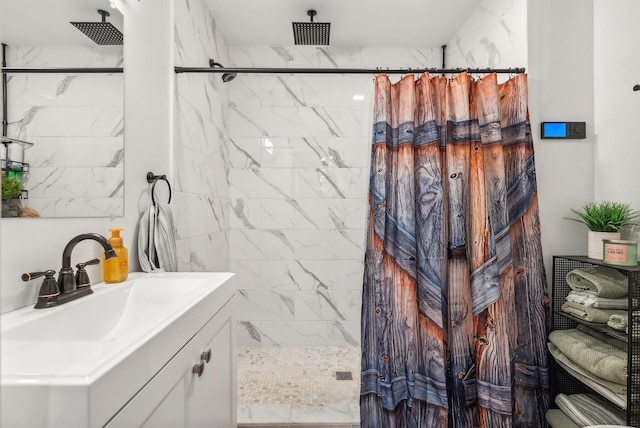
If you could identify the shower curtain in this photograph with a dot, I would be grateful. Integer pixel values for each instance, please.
(455, 310)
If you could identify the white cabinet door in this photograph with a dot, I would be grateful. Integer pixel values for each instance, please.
(176, 397)
(170, 412)
(211, 397)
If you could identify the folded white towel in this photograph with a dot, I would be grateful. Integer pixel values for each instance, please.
(589, 409)
(591, 300)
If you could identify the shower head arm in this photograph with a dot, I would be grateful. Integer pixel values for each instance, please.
(214, 64)
(311, 13)
(104, 14)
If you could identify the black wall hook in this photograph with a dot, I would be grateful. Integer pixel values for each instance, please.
(152, 178)
(636, 88)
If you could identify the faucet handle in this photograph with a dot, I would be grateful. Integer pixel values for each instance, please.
(48, 290)
(82, 277)
(90, 262)
(33, 275)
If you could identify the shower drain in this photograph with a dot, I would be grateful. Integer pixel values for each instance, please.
(344, 376)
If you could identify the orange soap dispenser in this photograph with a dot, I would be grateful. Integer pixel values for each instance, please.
(116, 269)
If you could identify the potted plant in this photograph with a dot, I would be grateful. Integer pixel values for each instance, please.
(11, 188)
(604, 221)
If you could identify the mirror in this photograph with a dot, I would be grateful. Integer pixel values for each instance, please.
(74, 164)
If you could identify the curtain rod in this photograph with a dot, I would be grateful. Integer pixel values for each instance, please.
(345, 70)
(62, 70)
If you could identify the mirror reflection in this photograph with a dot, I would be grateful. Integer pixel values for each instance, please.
(73, 123)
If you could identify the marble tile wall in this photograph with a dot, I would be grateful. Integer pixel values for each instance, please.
(200, 154)
(272, 171)
(76, 122)
(494, 35)
(299, 151)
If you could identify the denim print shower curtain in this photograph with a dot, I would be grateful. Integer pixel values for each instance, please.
(455, 309)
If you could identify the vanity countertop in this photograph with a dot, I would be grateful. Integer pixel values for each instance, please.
(92, 354)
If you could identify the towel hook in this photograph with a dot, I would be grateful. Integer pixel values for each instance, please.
(152, 178)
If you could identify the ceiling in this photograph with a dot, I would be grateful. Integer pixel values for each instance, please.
(46, 22)
(407, 23)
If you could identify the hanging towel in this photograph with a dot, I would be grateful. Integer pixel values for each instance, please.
(606, 282)
(595, 315)
(157, 240)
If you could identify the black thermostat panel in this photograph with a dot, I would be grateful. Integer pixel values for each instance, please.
(563, 130)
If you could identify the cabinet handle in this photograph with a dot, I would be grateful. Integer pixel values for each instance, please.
(198, 369)
(206, 356)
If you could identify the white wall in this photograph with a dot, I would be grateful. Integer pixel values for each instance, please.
(200, 154)
(36, 244)
(560, 68)
(617, 106)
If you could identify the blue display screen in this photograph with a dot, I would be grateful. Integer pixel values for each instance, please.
(554, 130)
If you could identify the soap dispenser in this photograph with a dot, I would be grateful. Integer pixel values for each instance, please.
(117, 268)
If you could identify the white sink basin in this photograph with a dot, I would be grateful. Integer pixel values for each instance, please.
(133, 307)
(88, 355)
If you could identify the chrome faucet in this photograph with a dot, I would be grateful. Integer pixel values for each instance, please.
(66, 282)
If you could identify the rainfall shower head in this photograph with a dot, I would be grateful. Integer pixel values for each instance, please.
(226, 77)
(311, 33)
(102, 33)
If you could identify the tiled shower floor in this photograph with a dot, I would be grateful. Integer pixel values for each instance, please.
(297, 386)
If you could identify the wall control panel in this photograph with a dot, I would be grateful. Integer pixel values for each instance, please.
(563, 130)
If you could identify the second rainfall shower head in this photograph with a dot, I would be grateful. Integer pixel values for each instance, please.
(102, 33)
(311, 33)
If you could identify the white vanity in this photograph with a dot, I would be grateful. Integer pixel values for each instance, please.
(157, 350)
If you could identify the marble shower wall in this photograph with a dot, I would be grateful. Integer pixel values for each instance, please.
(300, 151)
(200, 155)
(494, 35)
(76, 122)
(271, 171)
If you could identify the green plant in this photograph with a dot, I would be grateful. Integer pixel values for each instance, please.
(606, 216)
(11, 188)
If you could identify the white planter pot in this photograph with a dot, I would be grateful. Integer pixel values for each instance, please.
(595, 243)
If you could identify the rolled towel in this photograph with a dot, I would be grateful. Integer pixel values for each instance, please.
(598, 354)
(604, 281)
(619, 322)
(596, 315)
(590, 300)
